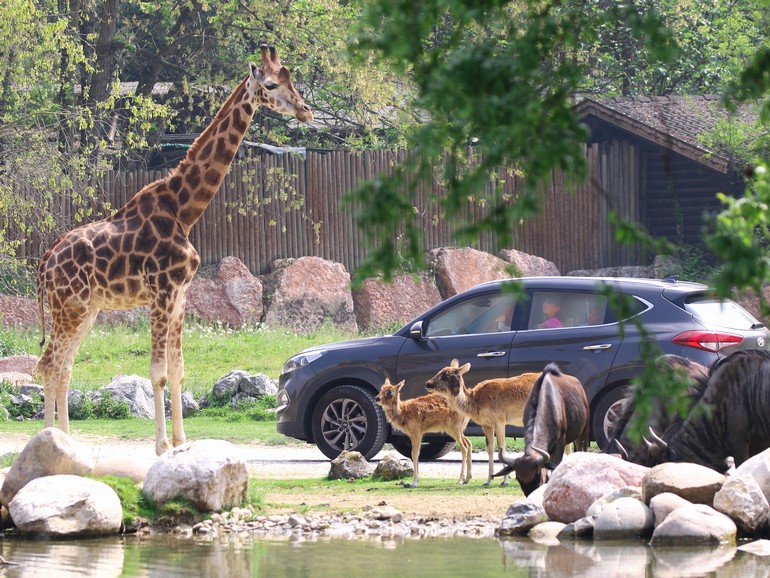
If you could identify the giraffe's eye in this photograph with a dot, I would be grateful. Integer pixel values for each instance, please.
(271, 86)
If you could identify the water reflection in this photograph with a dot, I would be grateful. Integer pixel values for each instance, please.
(169, 556)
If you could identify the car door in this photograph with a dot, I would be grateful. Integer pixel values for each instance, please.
(584, 343)
(476, 330)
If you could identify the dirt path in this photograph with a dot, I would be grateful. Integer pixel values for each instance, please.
(306, 461)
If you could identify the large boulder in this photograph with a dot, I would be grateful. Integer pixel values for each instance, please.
(693, 482)
(208, 473)
(742, 499)
(379, 305)
(18, 312)
(306, 292)
(663, 504)
(582, 478)
(24, 363)
(350, 465)
(696, 524)
(529, 265)
(460, 269)
(15, 378)
(48, 453)
(623, 518)
(520, 518)
(758, 467)
(232, 295)
(244, 383)
(133, 390)
(66, 506)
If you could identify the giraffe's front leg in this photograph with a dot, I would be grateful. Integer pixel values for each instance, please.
(159, 321)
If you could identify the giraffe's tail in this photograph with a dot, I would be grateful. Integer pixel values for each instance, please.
(41, 305)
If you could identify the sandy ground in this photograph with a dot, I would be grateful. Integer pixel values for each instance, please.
(306, 461)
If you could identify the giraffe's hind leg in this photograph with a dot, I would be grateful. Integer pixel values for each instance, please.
(68, 329)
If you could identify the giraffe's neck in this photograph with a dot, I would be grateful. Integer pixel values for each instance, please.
(198, 177)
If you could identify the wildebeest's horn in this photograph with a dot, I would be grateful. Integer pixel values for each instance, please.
(504, 458)
(656, 438)
(545, 454)
(505, 471)
(622, 450)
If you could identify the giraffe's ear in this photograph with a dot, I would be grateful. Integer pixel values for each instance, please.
(254, 71)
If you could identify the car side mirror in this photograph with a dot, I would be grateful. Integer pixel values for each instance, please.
(415, 331)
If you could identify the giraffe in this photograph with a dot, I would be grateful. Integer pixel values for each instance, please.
(141, 255)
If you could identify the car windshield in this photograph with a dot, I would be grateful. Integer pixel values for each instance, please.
(721, 313)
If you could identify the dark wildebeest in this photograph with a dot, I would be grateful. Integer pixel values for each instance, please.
(731, 419)
(556, 414)
(663, 417)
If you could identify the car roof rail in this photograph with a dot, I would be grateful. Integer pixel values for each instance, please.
(674, 279)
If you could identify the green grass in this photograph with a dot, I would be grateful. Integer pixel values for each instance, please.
(210, 352)
(429, 488)
(195, 427)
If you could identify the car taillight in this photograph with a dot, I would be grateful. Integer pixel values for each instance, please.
(707, 340)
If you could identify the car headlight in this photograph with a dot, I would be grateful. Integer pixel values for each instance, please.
(301, 360)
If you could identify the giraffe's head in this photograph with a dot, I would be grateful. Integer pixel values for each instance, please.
(270, 83)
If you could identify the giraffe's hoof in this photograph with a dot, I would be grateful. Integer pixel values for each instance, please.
(161, 447)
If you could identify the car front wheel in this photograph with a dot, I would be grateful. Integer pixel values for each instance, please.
(347, 418)
(432, 449)
(609, 409)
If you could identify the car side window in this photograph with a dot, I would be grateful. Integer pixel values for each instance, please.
(555, 309)
(480, 314)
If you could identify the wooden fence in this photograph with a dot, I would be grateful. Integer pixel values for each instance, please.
(279, 206)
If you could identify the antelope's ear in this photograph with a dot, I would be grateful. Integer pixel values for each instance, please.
(454, 363)
(465, 368)
(386, 382)
(400, 384)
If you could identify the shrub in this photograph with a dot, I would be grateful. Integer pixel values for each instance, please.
(27, 409)
(107, 407)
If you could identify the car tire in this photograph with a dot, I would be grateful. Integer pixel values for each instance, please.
(347, 418)
(607, 411)
(432, 449)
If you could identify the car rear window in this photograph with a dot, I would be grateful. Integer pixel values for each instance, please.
(721, 313)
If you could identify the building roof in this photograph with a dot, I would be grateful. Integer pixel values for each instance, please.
(677, 123)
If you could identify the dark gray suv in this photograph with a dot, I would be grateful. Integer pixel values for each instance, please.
(326, 393)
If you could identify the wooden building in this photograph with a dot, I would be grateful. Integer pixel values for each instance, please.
(677, 169)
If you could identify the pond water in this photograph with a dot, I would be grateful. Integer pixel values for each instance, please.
(169, 556)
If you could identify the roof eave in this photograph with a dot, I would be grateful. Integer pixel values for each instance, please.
(660, 138)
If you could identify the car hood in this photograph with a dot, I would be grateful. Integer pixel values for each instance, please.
(364, 341)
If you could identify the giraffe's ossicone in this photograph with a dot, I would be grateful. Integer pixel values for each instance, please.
(142, 254)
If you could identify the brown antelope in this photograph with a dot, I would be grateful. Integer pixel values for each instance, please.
(418, 416)
(492, 403)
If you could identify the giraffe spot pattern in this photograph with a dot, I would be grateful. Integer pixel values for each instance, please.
(238, 123)
(212, 177)
(206, 151)
(193, 178)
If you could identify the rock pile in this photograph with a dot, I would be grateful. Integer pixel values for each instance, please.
(46, 495)
(304, 293)
(136, 394)
(602, 497)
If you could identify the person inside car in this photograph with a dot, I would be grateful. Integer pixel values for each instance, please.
(551, 309)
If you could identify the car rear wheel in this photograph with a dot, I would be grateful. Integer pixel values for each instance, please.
(609, 409)
(431, 449)
(347, 418)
